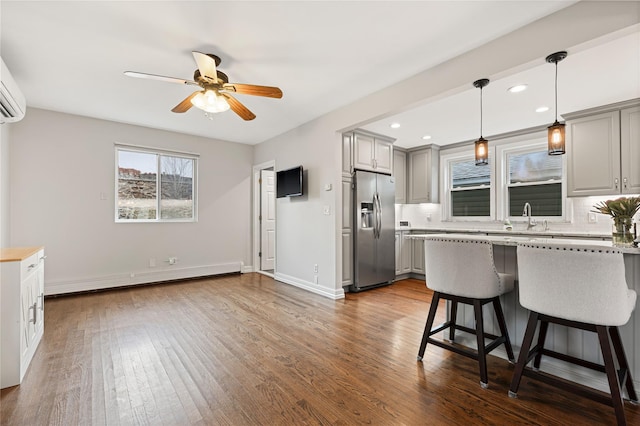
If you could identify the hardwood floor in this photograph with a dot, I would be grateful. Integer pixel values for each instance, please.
(245, 350)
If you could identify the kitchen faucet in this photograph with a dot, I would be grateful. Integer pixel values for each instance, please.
(527, 212)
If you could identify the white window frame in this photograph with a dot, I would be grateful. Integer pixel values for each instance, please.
(447, 159)
(159, 152)
(534, 144)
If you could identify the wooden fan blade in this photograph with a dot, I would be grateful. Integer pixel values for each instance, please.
(185, 104)
(238, 108)
(206, 65)
(252, 89)
(159, 77)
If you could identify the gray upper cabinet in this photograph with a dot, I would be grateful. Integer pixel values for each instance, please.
(423, 175)
(603, 146)
(372, 152)
(400, 175)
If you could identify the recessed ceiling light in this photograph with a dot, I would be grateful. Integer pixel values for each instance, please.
(394, 125)
(542, 109)
(518, 88)
(426, 137)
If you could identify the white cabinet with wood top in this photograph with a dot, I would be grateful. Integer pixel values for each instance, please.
(603, 147)
(22, 310)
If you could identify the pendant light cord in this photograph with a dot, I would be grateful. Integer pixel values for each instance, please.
(556, 91)
(481, 112)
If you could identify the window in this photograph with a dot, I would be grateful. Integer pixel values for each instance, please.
(470, 189)
(534, 177)
(154, 185)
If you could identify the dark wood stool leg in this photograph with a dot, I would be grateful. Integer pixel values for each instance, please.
(427, 328)
(524, 354)
(622, 362)
(482, 357)
(542, 337)
(612, 374)
(497, 307)
(452, 320)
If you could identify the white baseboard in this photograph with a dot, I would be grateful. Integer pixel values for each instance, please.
(313, 288)
(135, 278)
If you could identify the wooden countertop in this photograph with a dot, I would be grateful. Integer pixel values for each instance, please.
(16, 254)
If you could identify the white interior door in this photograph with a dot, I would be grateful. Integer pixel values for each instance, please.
(268, 220)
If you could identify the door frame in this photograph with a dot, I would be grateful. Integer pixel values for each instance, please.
(267, 165)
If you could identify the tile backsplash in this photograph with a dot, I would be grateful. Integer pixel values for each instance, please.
(430, 216)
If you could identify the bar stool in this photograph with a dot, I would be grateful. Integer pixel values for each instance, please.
(582, 287)
(463, 271)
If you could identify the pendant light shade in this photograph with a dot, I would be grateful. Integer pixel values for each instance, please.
(556, 140)
(481, 145)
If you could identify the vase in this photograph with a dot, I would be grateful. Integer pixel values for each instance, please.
(622, 232)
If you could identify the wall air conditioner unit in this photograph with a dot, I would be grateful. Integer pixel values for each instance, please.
(12, 102)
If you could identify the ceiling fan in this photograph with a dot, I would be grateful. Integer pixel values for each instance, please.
(214, 94)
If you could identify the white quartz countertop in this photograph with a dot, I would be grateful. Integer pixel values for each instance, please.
(513, 240)
(577, 234)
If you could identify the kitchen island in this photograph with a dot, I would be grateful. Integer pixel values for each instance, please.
(573, 342)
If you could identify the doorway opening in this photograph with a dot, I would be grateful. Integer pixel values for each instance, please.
(264, 235)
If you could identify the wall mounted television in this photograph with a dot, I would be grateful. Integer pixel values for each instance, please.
(289, 182)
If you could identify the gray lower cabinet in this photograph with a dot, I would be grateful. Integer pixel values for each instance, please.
(417, 257)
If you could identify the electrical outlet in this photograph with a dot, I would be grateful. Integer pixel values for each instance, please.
(315, 268)
(326, 210)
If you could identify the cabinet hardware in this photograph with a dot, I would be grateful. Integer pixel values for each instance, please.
(30, 267)
(43, 257)
(35, 310)
(41, 297)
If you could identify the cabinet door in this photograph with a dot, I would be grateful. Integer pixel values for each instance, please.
(400, 175)
(593, 161)
(417, 257)
(398, 253)
(383, 156)
(419, 176)
(28, 313)
(407, 253)
(630, 150)
(347, 258)
(346, 156)
(363, 152)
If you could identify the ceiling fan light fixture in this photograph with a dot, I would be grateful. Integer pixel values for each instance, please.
(210, 101)
(555, 136)
(481, 145)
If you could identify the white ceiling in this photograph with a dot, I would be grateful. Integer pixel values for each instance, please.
(70, 57)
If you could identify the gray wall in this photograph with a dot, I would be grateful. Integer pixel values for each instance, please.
(61, 164)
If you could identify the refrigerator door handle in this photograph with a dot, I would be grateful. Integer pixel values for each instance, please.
(378, 215)
(375, 216)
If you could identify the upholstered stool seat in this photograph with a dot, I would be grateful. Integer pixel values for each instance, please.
(463, 271)
(582, 287)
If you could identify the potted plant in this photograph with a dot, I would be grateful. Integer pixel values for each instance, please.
(621, 211)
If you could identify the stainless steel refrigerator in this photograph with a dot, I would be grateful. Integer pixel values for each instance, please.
(374, 230)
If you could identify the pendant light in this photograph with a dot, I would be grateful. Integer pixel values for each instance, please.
(556, 130)
(481, 145)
